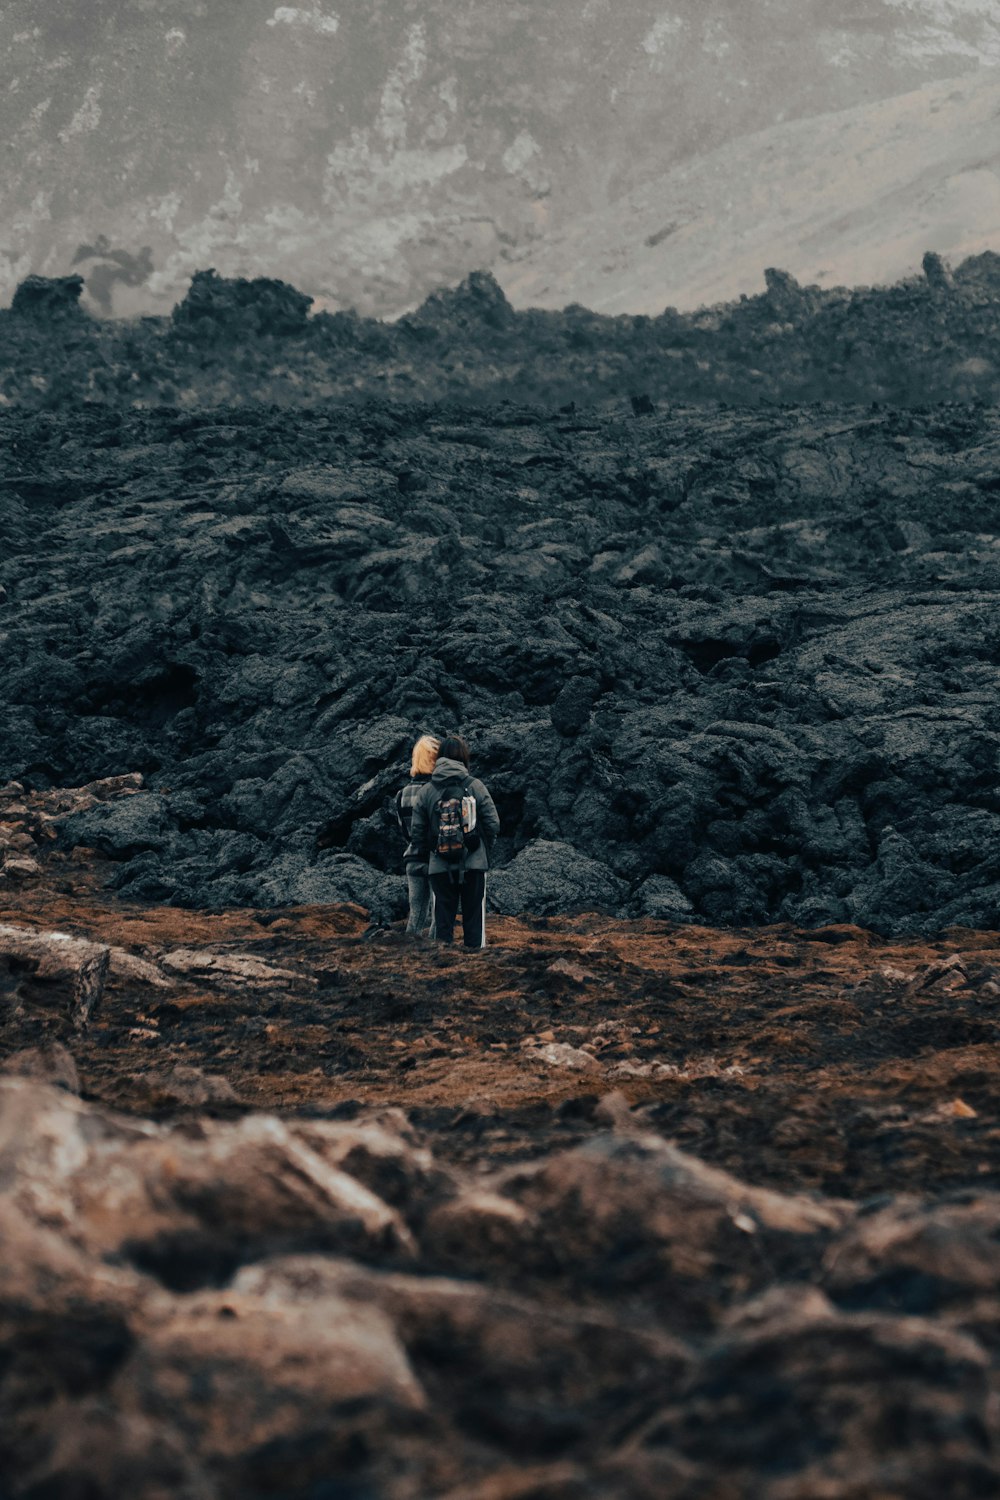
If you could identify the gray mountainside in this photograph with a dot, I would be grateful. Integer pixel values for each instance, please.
(372, 152)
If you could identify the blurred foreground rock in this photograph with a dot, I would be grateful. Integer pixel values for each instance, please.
(225, 1311)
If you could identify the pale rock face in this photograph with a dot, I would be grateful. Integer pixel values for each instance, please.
(314, 19)
(370, 154)
(108, 1183)
(965, 30)
(845, 198)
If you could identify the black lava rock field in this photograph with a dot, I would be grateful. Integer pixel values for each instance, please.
(735, 665)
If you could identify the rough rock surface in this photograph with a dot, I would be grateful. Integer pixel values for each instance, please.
(734, 665)
(614, 1209)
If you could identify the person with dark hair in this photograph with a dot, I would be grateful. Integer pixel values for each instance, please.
(455, 823)
(422, 762)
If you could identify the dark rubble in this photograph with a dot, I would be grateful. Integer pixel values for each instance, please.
(733, 665)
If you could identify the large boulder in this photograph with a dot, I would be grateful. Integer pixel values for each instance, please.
(49, 299)
(915, 1257)
(807, 1402)
(549, 877)
(123, 827)
(479, 304)
(268, 1392)
(185, 1207)
(659, 896)
(333, 878)
(899, 887)
(47, 968)
(236, 306)
(525, 1374)
(635, 1208)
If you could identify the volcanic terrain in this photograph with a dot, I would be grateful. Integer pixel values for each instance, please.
(686, 1188)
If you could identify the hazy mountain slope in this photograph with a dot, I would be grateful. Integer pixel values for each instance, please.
(371, 152)
(849, 198)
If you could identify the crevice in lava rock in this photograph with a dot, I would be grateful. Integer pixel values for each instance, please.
(705, 655)
(767, 649)
(151, 702)
(186, 1261)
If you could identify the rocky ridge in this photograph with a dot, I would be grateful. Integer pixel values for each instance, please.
(929, 339)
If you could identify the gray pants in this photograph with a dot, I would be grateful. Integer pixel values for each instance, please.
(419, 889)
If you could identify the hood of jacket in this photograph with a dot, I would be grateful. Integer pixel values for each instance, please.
(449, 770)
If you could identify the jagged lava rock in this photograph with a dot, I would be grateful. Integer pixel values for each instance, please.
(548, 877)
(929, 338)
(235, 307)
(48, 299)
(742, 660)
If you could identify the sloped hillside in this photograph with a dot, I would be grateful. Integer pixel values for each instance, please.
(850, 198)
(372, 153)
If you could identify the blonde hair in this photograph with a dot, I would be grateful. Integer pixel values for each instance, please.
(425, 754)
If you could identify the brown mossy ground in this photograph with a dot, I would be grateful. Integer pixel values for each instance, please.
(830, 1060)
(357, 1258)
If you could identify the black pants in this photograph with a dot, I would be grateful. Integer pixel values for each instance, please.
(470, 894)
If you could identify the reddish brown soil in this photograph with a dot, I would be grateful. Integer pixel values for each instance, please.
(830, 1060)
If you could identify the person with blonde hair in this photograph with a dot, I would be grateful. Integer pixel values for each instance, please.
(422, 763)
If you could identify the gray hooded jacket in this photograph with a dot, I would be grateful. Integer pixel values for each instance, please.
(487, 820)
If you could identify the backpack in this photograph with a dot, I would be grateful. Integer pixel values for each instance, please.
(456, 819)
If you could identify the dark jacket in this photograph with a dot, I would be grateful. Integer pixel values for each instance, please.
(406, 801)
(487, 820)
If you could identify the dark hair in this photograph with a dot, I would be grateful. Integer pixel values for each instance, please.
(454, 748)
